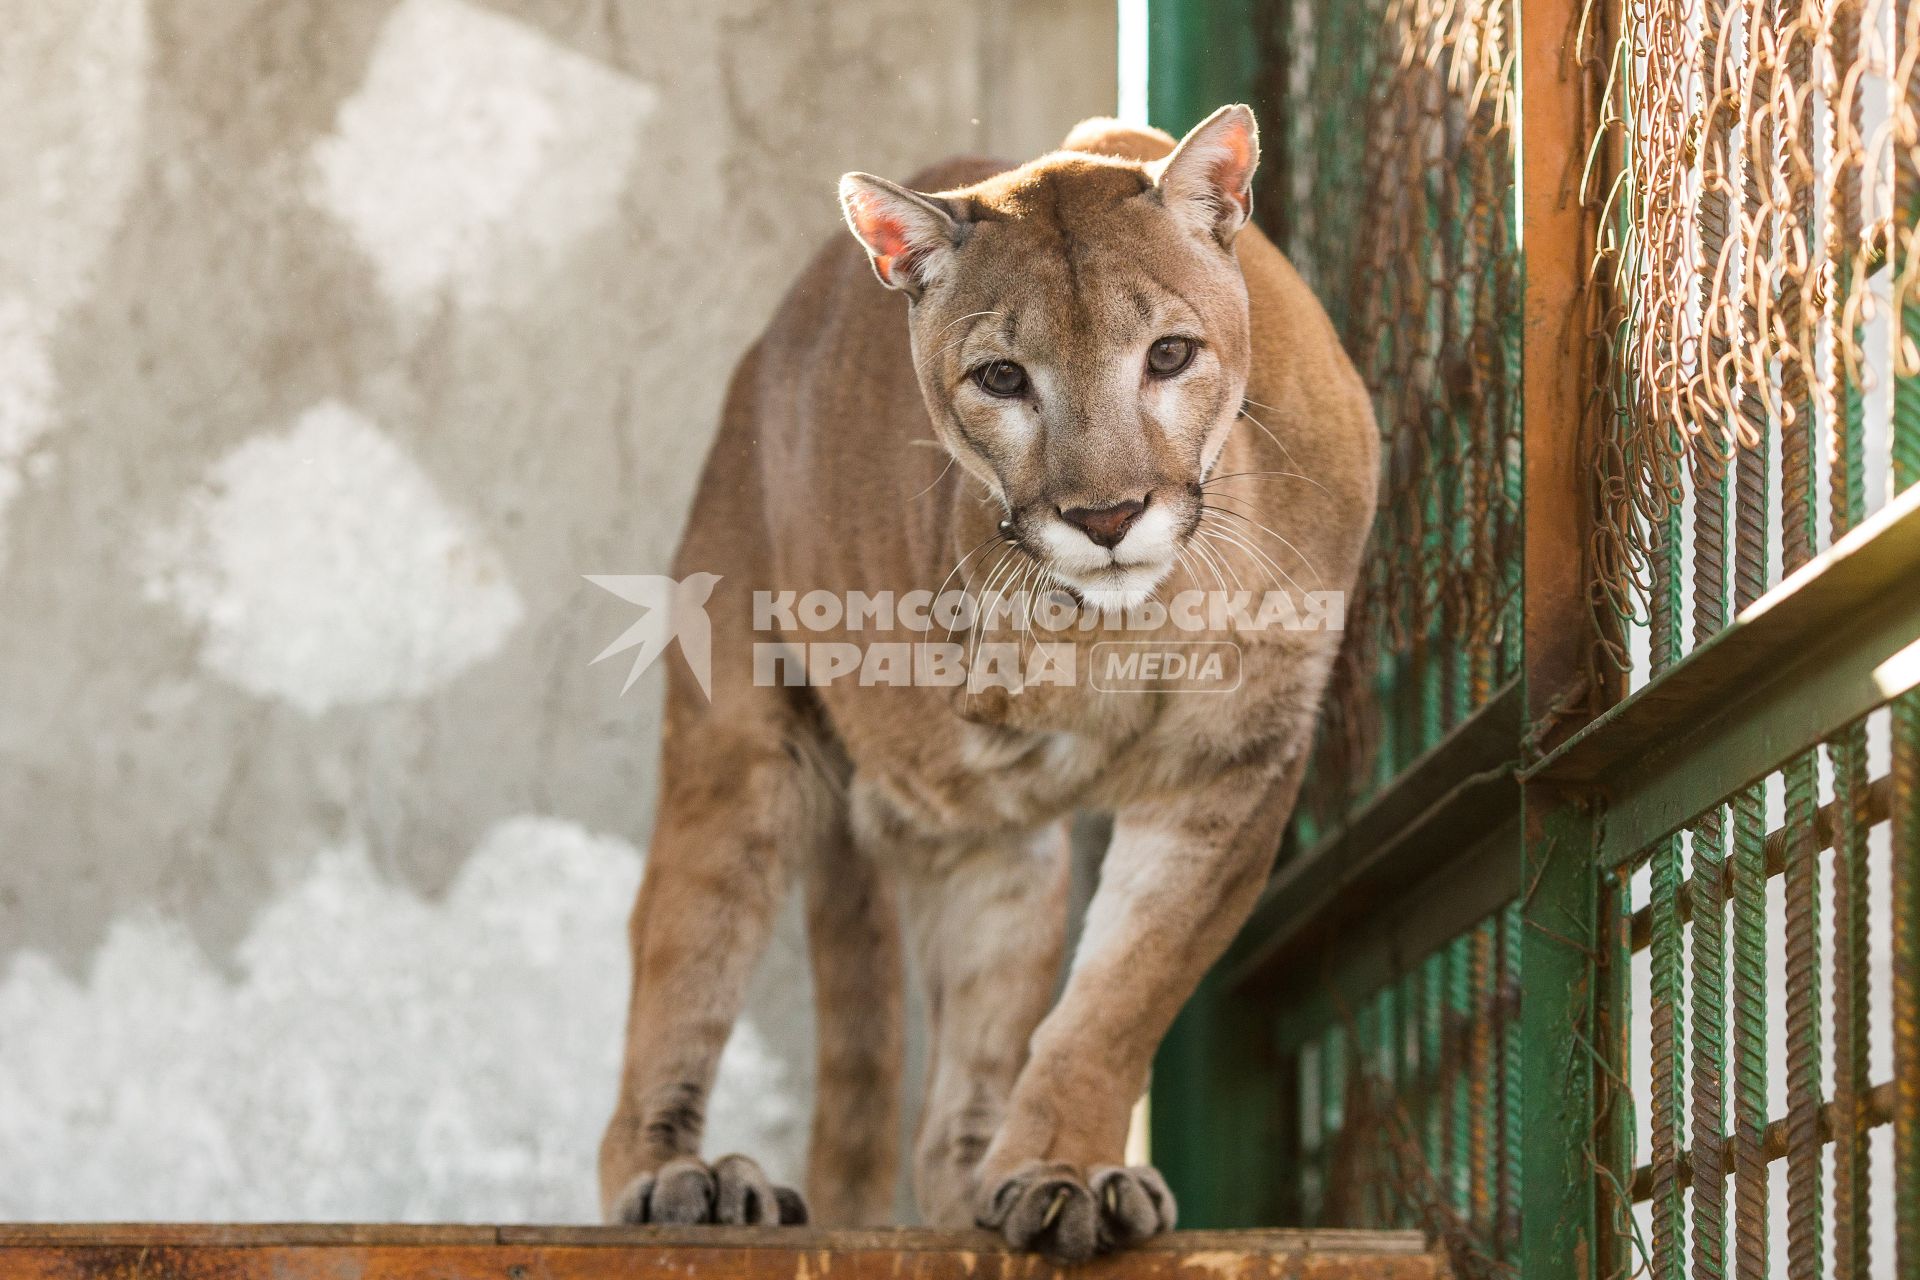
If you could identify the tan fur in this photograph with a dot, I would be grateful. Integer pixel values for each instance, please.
(955, 802)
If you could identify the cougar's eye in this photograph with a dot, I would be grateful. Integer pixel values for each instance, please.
(1169, 356)
(1001, 378)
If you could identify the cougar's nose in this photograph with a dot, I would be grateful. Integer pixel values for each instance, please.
(1105, 525)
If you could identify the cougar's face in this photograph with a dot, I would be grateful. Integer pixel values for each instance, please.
(1089, 391)
(1080, 334)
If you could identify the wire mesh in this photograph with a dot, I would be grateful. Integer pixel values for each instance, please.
(1750, 260)
(1389, 182)
(1410, 1105)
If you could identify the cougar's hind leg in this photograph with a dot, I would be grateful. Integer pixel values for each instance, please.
(853, 934)
(736, 802)
(987, 927)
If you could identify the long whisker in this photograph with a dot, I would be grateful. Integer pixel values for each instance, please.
(1266, 559)
(1227, 511)
(1188, 562)
(942, 352)
(1016, 582)
(1043, 580)
(1227, 539)
(1225, 550)
(1277, 536)
(1269, 432)
(947, 328)
(936, 480)
(1222, 511)
(1234, 537)
(973, 628)
(981, 621)
(1291, 475)
(992, 538)
(1219, 564)
(1214, 536)
(1003, 570)
(992, 573)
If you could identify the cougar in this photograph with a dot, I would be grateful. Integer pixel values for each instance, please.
(1128, 396)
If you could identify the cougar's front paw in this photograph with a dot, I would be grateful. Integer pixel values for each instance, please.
(731, 1191)
(1055, 1210)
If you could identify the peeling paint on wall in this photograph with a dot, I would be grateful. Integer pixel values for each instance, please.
(471, 138)
(326, 571)
(376, 1055)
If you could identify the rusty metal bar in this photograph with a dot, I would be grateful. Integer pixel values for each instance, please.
(1851, 1014)
(1560, 1232)
(1668, 1012)
(1905, 255)
(1800, 534)
(1481, 1082)
(1876, 1110)
(1708, 903)
(1750, 881)
(1862, 808)
(1707, 1059)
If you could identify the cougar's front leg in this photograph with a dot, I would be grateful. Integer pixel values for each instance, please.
(987, 924)
(733, 805)
(1178, 881)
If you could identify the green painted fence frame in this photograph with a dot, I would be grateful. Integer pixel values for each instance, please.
(1526, 817)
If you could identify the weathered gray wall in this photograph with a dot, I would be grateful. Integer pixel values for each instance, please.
(337, 341)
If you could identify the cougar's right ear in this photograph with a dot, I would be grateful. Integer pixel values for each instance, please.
(909, 237)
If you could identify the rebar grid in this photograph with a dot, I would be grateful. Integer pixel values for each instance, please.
(1758, 1141)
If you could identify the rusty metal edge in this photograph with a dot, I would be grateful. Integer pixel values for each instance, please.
(776, 1239)
(1817, 614)
(1481, 878)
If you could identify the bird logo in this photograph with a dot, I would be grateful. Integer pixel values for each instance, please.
(674, 609)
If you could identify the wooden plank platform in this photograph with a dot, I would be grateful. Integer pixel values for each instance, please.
(91, 1251)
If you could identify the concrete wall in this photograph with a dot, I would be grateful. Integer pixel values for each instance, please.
(337, 341)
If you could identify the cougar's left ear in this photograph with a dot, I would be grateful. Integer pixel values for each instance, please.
(1208, 180)
(910, 237)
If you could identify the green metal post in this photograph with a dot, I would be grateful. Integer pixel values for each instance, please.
(1202, 54)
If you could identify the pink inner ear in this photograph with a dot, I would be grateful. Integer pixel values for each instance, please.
(886, 237)
(1230, 173)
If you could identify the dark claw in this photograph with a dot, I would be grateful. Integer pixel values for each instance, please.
(793, 1207)
(1050, 1210)
(731, 1191)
